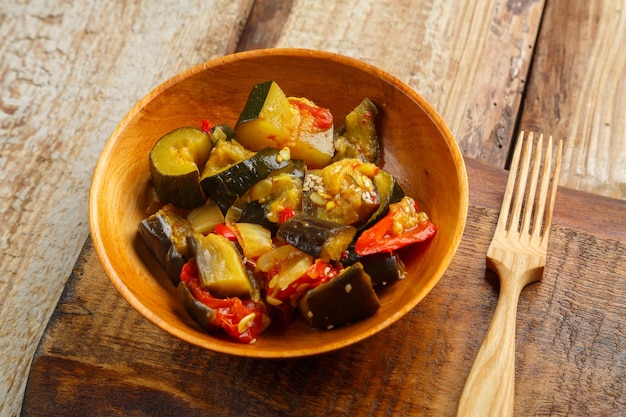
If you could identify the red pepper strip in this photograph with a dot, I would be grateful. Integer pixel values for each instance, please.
(318, 273)
(378, 238)
(229, 311)
(224, 230)
(285, 214)
(206, 125)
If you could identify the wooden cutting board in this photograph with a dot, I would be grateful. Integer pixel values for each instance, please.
(100, 357)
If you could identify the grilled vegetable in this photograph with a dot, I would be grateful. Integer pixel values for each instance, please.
(254, 239)
(343, 192)
(402, 226)
(389, 192)
(174, 164)
(227, 185)
(271, 119)
(165, 234)
(221, 132)
(264, 202)
(221, 269)
(345, 299)
(205, 316)
(358, 138)
(204, 218)
(322, 239)
(283, 270)
(241, 318)
(383, 268)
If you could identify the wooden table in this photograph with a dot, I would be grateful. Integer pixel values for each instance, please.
(68, 74)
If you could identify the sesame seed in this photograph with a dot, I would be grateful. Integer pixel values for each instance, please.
(348, 288)
(310, 314)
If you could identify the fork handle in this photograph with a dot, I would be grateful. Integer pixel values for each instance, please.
(489, 389)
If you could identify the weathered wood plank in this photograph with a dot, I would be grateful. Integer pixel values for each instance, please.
(68, 74)
(577, 92)
(98, 353)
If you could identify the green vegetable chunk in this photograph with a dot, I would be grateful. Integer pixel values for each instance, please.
(358, 138)
(345, 299)
(174, 164)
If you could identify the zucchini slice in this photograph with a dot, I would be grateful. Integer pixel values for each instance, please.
(174, 165)
(227, 185)
(345, 299)
(264, 202)
(271, 119)
(221, 269)
(321, 239)
(358, 137)
(165, 234)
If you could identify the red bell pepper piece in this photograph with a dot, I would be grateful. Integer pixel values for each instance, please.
(402, 226)
(224, 230)
(230, 312)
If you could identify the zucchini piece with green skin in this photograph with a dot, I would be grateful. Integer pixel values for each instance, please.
(389, 192)
(321, 239)
(165, 234)
(383, 268)
(202, 314)
(220, 267)
(227, 185)
(174, 165)
(265, 200)
(345, 299)
(221, 132)
(358, 137)
(271, 119)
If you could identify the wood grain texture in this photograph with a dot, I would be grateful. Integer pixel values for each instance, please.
(68, 74)
(99, 354)
(577, 92)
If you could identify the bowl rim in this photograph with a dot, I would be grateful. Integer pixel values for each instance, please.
(243, 350)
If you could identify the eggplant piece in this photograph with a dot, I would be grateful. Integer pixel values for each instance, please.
(345, 299)
(174, 165)
(220, 267)
(389, 192)
(165, 234)
(321, 239)
(383, 267)
(358, 138)
(227, 185)
(202, 314)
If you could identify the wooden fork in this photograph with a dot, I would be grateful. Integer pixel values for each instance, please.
(517, 253)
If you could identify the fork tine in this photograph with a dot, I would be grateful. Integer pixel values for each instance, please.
(518, 197)
(532, 205)
(510, 185)
(555, 184)
(543, 192)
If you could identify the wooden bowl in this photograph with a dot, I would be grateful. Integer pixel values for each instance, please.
(418, 149)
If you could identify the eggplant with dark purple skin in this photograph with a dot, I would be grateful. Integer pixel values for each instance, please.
(202, 314)
(321, 239)
(165, 234)
(347, 298)
(383, 268)
(389, 192)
